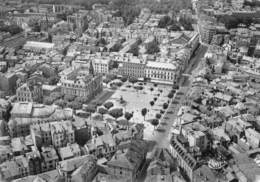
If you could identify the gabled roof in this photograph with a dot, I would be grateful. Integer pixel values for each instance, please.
(131, 157)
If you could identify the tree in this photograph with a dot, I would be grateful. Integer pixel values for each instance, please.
(165, 106)
(62, 16)
(108, 105)
(69, 98)
(134, 50)
(53, 80)
(56, 95)
(35, 25)
(170, 95)
(12, 29)
(144, 112)
(186, 23)
(164, 22)
(152, 47)
(152, 103)
(111, 76)
(116, 113)
(60, 103)
(90, 109)
(102, 111)
(48, 100)
(151, 89)
(155, 122)
(106, 80)
(133, 80)
(83, 100)
(128, 116)
(124, 79)
(74, 105)
(158, 116)
(155, 99)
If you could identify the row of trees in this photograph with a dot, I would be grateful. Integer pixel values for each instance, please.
(172, 25)
(66, 100)
(128, 10)
(233, 21)
(12, 29)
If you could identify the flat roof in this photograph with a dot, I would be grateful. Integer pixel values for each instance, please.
(44, 45)
(161, 65)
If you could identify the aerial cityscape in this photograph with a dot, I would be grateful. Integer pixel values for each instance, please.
(129, 90)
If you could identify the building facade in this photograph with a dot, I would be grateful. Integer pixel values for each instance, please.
(29, 92)
(85, 85)
(161, 72)
(133, 67)
(101, 65)
(185, 161)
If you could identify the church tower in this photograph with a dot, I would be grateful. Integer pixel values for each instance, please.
(91, 69)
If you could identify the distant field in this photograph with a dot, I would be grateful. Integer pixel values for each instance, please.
(155, 5)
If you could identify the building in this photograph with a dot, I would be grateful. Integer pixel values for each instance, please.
(49, 159)
(78, 22)
(132, 67)
(102, 146)
(253, 138)
(70, 151)
(5, 107)
(49, 176)
(127, 162)
(101, 65)
(207, 31)
(29, 92)
(78, 169)
(62, 133)
(8, 82)
(184, 159)
(24, 114)
(80, 84)
(237, 4)
(162, 167)
(195, 136)
(161, 72)
(38, 47)
(16, 168)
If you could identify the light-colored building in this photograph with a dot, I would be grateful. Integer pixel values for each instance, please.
(70, 151)
(101, 65)
(196, 138)
(40, 47)
(24, 114)
(29, 92)
(62, 133)
(133, 67)
(253, 138)
(81, 84)
(161, 72)
(207, 31)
